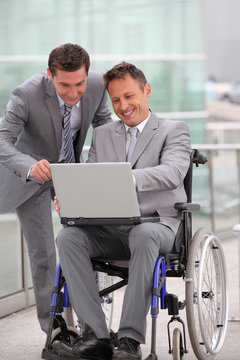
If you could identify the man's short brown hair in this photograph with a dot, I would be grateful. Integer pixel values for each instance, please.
(68, 57)
(121, 70)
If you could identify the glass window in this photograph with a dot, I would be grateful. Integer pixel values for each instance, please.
(102, 26)
(14, 73)
(10, 255)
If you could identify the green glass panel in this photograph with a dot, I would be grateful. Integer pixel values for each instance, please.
(102, 26)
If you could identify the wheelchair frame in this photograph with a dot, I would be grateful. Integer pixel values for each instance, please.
(198, 260)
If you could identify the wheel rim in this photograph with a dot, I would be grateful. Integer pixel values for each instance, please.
(206, 343)
(212, 306)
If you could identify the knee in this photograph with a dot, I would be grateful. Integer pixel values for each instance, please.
(62, 236)
(143, 237)
(69, 237)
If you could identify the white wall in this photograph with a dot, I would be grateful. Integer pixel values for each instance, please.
(222, 38)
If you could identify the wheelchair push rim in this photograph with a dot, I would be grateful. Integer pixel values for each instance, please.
(206, 295)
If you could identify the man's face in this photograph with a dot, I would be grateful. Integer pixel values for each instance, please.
(70, 86)
(129, 100)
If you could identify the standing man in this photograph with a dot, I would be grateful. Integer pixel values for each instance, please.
(159, 152)
(46, 121)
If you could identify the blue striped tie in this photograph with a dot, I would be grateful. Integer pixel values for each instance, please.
(67, 135)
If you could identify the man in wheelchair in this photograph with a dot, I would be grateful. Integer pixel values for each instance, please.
(159, 152)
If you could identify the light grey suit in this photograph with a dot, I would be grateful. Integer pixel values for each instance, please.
(31, 130)
(160, 162)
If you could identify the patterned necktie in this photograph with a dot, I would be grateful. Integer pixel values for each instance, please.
(133, 139)
(67, 135)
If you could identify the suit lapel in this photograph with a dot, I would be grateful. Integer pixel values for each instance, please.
(146, 136)
(54, 110)
(119, 142)
(85, 122)
(85, 116)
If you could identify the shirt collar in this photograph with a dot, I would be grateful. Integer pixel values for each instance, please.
(61, 102)
(140, 126)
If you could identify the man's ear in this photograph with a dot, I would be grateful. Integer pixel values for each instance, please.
(147, 89)
(49, 74)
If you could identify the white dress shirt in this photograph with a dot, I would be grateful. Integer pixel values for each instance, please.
(140, 128)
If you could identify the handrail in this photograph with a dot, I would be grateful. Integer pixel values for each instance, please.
(210, 149)
(198, 146)
(216, 146)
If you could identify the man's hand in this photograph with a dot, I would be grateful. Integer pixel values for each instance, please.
(57, 208)
(41, 170)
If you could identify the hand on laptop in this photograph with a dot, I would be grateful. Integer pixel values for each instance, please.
(41, 170)
(57, 208)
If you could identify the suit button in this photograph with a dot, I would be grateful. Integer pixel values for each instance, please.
(17, 174)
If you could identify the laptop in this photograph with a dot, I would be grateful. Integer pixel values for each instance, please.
(96, 194)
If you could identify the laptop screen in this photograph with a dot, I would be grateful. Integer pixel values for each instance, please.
(95, 190)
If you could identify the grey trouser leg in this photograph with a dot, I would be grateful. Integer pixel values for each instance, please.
(145, 242)
(77, 245)
(36, 221)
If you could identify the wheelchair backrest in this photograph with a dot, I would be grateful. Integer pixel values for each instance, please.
(195, 158)
(185, 230)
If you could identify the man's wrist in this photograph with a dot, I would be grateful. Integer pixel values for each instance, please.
(29, 177)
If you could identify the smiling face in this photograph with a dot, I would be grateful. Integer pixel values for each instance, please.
(70, 86)
(129, 99)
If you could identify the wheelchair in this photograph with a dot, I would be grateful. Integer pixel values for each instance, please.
(198, 260)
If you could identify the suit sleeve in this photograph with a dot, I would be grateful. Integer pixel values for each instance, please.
(14, 119)
(174, 158)
(102, 114)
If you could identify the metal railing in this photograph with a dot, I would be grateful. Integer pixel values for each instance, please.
(219, 162)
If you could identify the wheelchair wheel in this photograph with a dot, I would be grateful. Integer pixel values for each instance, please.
(206, 295)
(177, 350)
(57, 334)
(103, 281)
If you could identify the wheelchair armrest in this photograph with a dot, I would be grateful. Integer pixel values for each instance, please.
(187, 206)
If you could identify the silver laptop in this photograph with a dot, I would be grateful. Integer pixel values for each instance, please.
(96, 193)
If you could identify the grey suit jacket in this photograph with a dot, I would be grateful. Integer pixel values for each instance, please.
(31, 130)
(160, 162)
